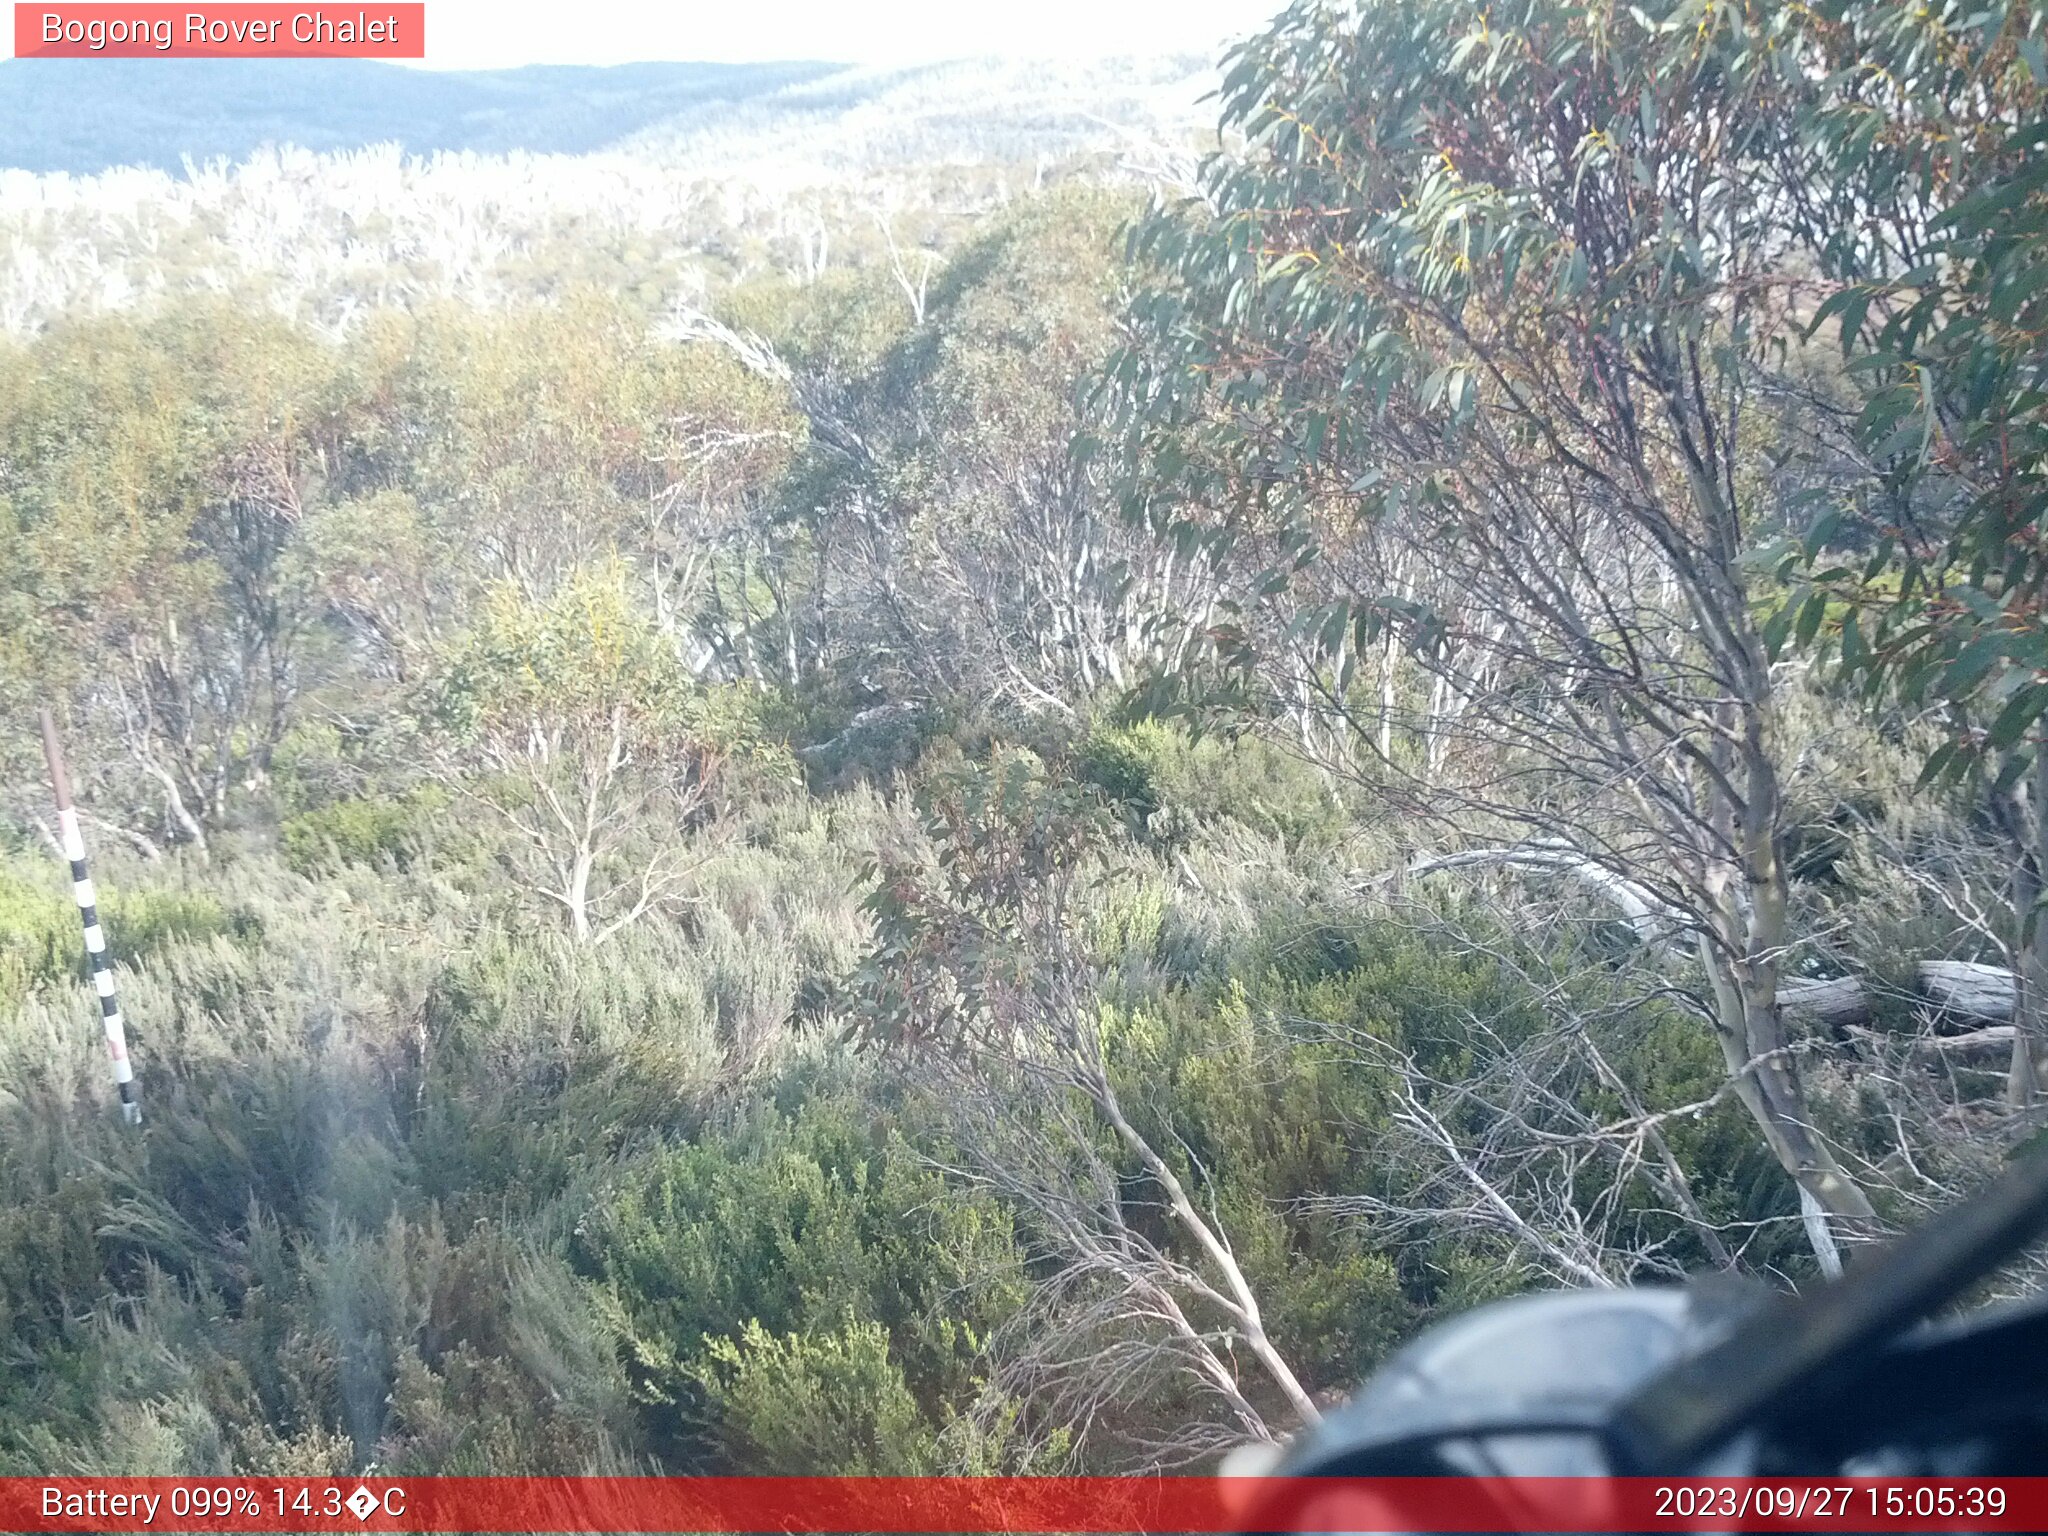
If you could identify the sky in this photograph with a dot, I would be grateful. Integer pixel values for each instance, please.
(490, 34)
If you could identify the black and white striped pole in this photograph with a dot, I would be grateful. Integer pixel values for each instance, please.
(73, 842)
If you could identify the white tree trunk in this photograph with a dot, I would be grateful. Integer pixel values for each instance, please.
(577, 897)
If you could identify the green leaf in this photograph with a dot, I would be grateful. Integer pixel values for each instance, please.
(1823, 529)
(1971, 664)
(1811, 612)
(1938, 764)
(2020, 711)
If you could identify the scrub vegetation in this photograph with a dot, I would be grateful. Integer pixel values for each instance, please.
(1022, 845)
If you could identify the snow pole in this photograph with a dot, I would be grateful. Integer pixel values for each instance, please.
(73, 844)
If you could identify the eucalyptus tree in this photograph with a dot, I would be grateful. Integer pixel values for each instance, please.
(1926, 194)
(1469, 347)
(153, 483)
(1035, 594)
(937, 530)
(574, 723)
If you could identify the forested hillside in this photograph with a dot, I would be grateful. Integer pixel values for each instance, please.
(318, 195)
(1018, 831)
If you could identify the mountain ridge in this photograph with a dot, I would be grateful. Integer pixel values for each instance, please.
(84, 116)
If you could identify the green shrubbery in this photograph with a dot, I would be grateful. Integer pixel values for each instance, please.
(40, 937)
(423, 1184)
(377, 830)
(427, 1182)
(1171, 784)
(816, 1224)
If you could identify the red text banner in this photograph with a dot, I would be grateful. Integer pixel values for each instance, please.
(114, 31)
(816, 1506)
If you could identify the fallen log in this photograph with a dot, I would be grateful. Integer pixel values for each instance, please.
(1993, 1040)
(1653, 920)
(1964, 989)
(1957, 992)
(1992, 1037)
(1838, 1004)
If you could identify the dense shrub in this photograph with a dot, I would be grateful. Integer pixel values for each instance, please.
(1172, 784)
(374, 830)
(40, 940)
(816, 1222)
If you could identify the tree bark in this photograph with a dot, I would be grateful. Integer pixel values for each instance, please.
(2030, 1006)
(1752, 1037)
(174, 801)
(577, 896)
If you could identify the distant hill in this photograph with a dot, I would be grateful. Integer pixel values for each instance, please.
(338, 186)
(965, 111)
(86, 115)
